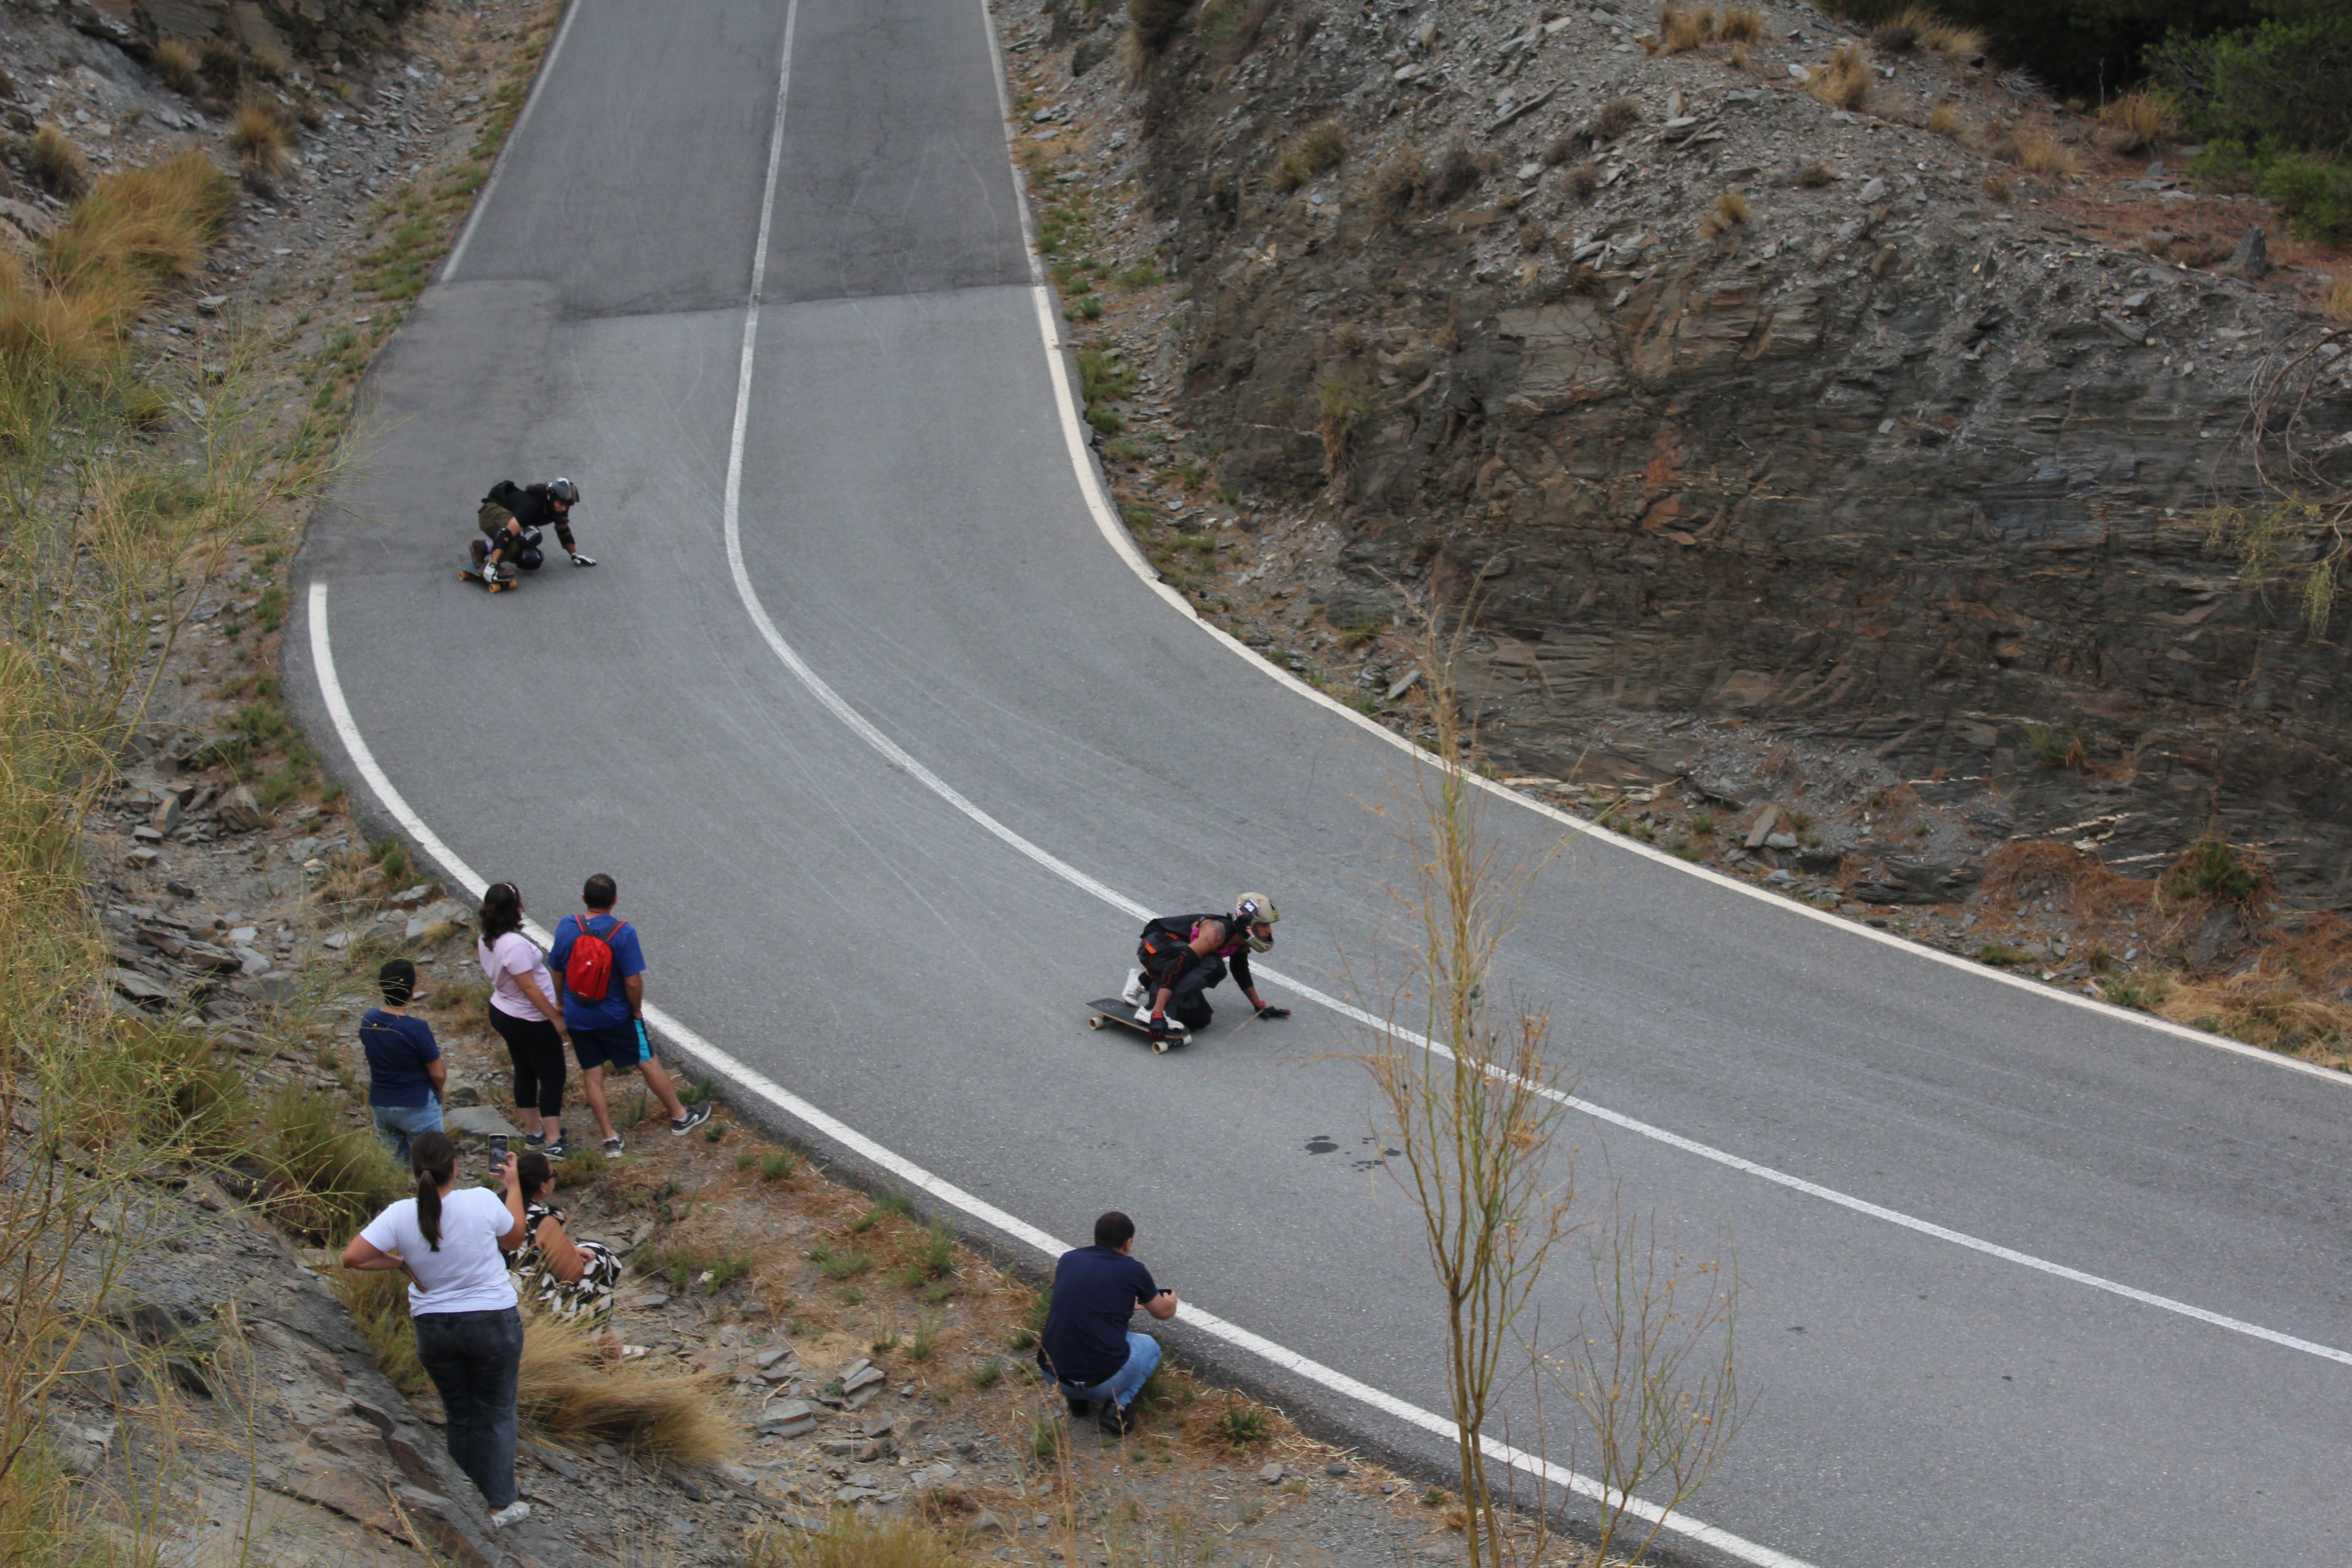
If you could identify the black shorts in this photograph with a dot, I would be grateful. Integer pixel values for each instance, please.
(615, 1045)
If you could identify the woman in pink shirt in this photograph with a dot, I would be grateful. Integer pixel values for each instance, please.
(524, 1013)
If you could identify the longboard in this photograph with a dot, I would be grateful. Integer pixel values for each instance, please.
(1123, 1015)
(468, 570)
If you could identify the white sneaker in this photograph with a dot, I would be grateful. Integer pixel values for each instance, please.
(1133, 994)
(1143, 1014)
(514, 1513)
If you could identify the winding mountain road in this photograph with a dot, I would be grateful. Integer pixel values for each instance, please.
(886, 739)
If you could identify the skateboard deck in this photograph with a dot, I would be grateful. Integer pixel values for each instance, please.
(468, 570)
(1123, 1015)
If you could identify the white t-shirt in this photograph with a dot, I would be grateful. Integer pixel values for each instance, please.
(515, 954)
(469, 1273)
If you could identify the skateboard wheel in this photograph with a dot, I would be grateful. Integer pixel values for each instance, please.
(1160, 1045)
(1094, 1022)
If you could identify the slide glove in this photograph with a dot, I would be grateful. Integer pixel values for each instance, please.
(1274, 1011)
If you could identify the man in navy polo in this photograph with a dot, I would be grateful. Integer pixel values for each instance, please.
(1086, 1347)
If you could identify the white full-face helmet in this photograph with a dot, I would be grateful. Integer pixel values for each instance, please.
(1252, 910)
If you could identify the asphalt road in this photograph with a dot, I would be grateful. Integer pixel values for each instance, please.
(911, 521)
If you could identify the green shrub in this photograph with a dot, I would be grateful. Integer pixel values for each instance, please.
(2078, 45)
(2212, 869)
(2314, 193)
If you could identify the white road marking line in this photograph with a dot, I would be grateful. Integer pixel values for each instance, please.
(514, 133)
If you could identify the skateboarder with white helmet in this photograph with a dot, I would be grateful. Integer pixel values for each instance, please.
(1180, 957)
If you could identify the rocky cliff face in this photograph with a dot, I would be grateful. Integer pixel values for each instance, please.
(311, 29)
(1913, 450)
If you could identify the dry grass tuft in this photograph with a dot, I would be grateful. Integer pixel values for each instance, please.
(570, 1391)
(2335, 300)
(1741, 25)
(1944, 119)
(2038, 154)
(858, 1540)
(1580, 180)
(56, 162)
(1947, 37)
(1680, 31)
(1728, 213)
(2142, 118)
(1737, 59)
(1318, 150)
(260, 136)
(1846, 81)
(159, 221)
(176, 65)
(1998, 188)
(1814, 176)
(1897, 35)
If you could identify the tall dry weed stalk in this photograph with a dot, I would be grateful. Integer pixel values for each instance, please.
(1651, 1370)
(1472, 1118)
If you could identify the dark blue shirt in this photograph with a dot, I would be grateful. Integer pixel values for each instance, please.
(1096, 1291)
(628, 959)
(397, 1049)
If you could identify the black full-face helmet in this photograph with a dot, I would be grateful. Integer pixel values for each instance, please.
(563, 489)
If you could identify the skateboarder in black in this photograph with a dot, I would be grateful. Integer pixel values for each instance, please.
(1180, 957)
(511, 519)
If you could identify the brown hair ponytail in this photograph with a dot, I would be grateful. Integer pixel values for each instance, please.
(434, 1157)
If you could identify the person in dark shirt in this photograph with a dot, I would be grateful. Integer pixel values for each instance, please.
(1180, 957)
(406, 1076)
(1086, 1348)
(511, 519)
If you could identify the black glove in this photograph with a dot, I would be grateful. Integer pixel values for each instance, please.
(1274, 1011)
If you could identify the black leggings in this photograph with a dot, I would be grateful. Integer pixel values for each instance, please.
(538, 1053)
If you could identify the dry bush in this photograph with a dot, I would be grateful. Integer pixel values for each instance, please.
(1944, 119)
(1561, 148)
(2265, 1009)
(857, 1540)
(1846, 81)
(176, 65)
(2141, 118)
(1998, 188)
(1342, 406)
(1617, 116)
(260, 136)
(569, 1390)
(1899, 35)
(269, 65)
(1737, 59)
(1532, 237)
(1457, 170)
(55, 161)
(222, 60)
(2045, 869)
(1728, 213)
(1580, 180)
(1324, 147)
(1396, 185)
(1287, 171)
(1741, 25)
(1680, 31)
(2039, 154)
(1814, 176)
(2335, 300)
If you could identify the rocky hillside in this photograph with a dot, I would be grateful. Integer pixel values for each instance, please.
(1753, 376)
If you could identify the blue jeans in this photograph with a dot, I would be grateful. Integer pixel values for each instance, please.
(396, 1124)
(473, 1359)
(1123, 1385)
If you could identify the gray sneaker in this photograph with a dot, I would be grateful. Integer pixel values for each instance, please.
(695, 1115)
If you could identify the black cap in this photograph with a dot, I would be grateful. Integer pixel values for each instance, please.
(397, 981)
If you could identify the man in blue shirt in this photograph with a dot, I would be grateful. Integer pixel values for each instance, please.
(609, 1028)
(1085, 1346)
(406, 1073)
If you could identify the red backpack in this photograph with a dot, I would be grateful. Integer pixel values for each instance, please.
(588, 972)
